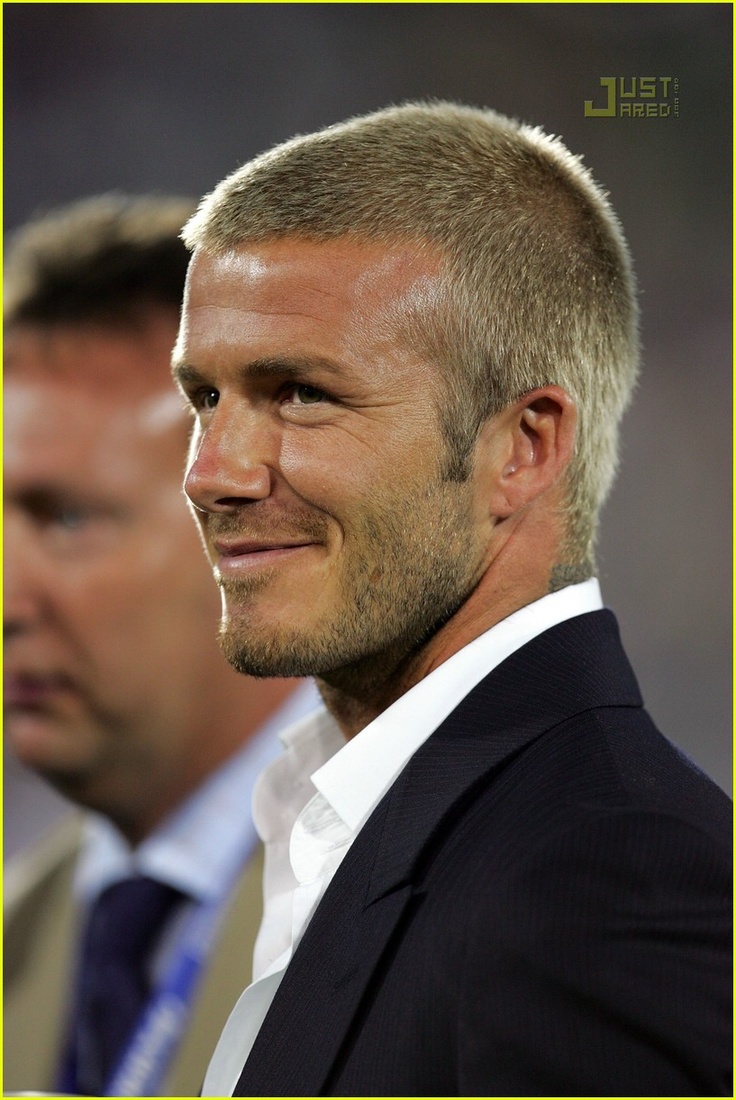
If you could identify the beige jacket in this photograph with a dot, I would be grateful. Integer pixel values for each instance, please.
(40, 932)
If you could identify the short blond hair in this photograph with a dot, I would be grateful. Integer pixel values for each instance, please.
(537, 286)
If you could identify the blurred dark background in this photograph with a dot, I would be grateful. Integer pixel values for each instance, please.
(171, 97)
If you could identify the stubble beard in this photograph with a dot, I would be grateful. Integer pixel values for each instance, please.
(407, 569)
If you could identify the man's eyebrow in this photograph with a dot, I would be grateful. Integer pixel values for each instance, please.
(186, 375)
(43, 495)
(291, 366)
(45, 498)
(287, 367)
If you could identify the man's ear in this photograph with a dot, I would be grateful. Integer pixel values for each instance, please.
(529, 444)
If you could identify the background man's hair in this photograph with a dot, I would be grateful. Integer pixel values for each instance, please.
(103, 260)
(537, 285)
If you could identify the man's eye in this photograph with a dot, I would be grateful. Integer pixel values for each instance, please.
(306, 395)
(69, 519)
(64, 519)
(206, 398)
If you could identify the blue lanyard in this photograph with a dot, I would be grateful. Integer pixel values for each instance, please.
(148, 1053)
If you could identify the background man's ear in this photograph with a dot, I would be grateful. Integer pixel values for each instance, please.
(529, 445)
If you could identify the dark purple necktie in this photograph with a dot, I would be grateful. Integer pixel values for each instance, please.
(122, 932)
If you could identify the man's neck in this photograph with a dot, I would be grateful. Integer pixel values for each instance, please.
(357, 694)
(517, 576)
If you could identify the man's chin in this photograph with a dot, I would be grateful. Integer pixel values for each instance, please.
(54, 749)
(271, 664)
(277, 655)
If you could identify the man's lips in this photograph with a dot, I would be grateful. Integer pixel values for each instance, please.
(244, 554)
(25, 690)
(230, 549)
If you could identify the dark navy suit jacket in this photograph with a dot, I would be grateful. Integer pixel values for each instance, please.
(538, 907)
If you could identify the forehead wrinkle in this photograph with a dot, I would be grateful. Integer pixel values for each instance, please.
(283, 304)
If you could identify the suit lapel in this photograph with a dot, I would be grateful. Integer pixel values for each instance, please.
(570, 668)
(323, 984)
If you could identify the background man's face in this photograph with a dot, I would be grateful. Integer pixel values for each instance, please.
(317, 459)
(110, 612)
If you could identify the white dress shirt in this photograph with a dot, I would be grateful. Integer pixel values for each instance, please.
(310, 804)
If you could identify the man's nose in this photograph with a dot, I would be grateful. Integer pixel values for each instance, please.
(231, 459)
(23, 580)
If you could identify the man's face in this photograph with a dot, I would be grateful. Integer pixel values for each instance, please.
(317, 459)
(110, 610)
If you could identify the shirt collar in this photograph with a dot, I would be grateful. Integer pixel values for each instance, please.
(355, 779)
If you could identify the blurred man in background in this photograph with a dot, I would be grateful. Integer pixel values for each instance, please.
(128, 934)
